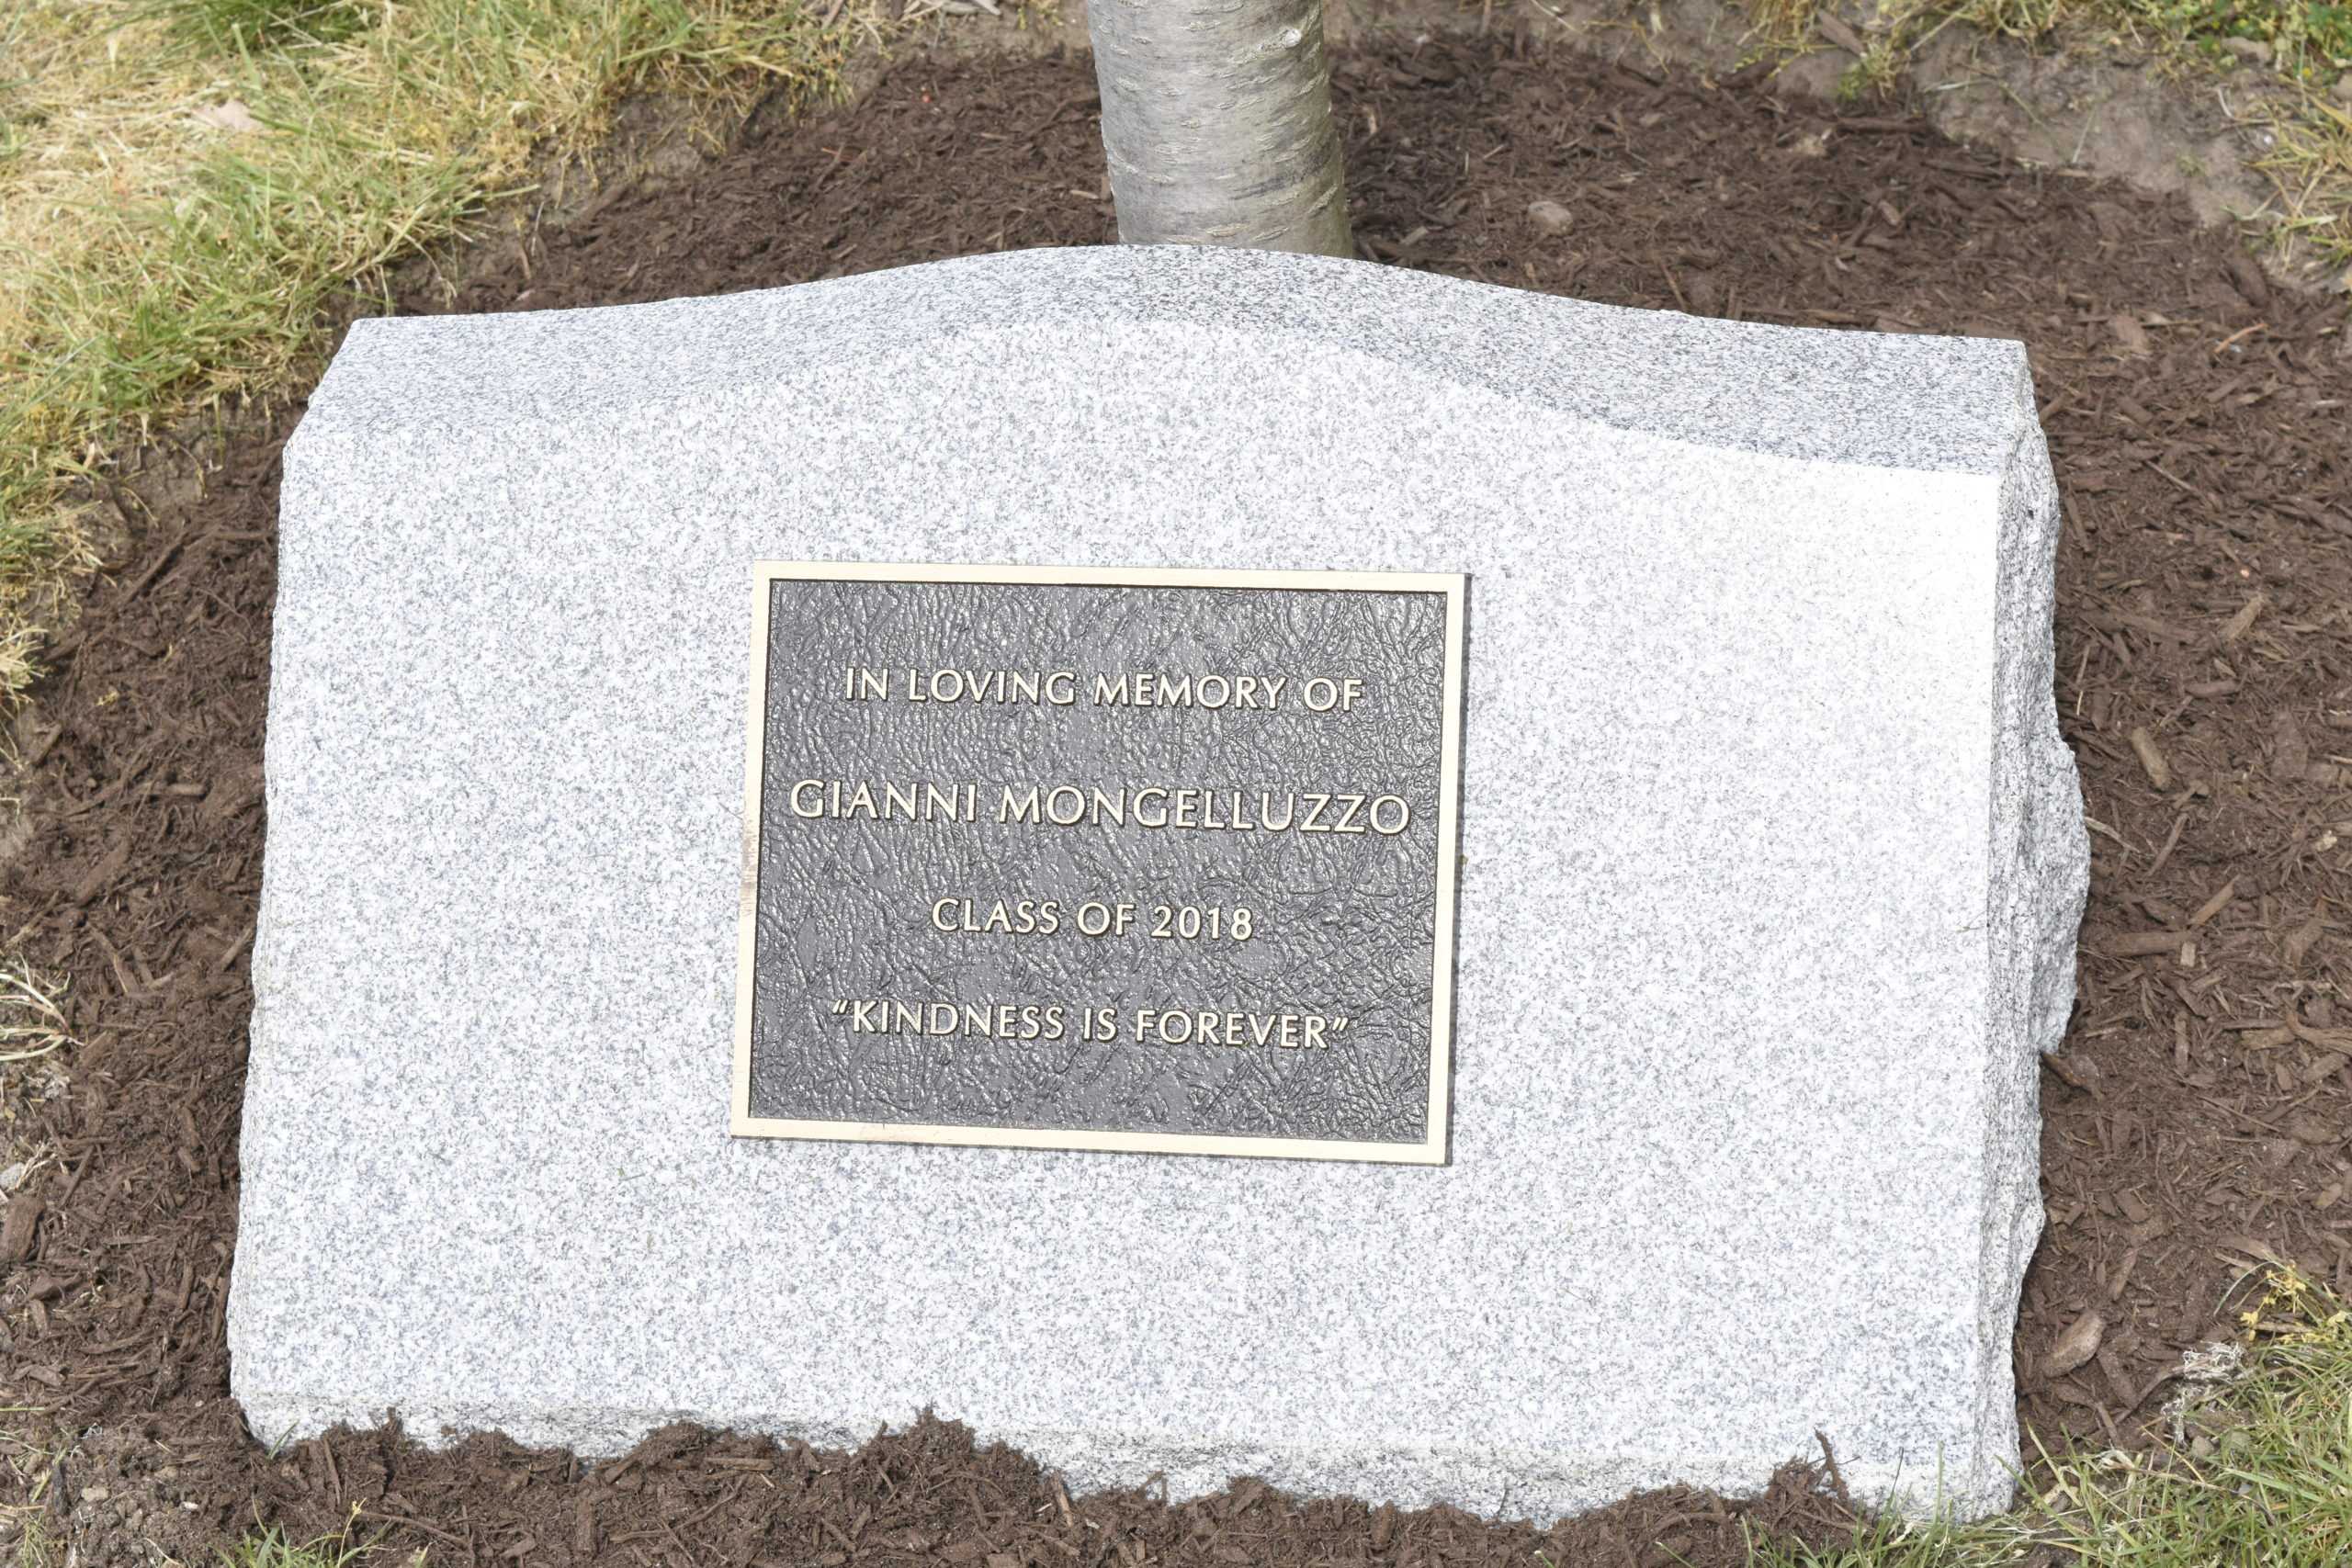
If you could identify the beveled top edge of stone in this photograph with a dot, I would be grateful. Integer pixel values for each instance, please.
(1943, 404)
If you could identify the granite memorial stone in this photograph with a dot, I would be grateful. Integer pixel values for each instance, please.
(798, 887)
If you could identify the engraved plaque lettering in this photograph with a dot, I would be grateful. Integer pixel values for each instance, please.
(1094, 859)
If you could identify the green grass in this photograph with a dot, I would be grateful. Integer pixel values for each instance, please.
(186, 184)
(2307, 41)
(2259, 1474)
(273, 1548)
(236, 25)
(2301, 48)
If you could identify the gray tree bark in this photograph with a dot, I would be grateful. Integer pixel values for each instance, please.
(1216, 115)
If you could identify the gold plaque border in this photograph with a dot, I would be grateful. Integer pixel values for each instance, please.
(1454, 586)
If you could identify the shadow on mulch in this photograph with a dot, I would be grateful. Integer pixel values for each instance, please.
(2195, 1118)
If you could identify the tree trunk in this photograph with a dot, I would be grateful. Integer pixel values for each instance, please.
(1216, 115)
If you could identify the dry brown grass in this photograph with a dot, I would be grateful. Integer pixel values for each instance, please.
(184, 182)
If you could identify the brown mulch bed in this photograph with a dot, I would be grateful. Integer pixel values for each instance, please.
(2196, 1120)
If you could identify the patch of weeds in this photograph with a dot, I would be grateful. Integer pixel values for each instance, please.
(2301, 49)
(1873, 72)
(1922, 1541)
(2301, 39)
(32, 1544)
(2256, 1471)
(235, 26)
(273, 1548)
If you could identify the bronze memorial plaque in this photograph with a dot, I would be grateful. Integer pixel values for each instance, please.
(1075, 857)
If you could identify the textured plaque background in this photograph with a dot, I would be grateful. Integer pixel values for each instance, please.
(1343, 924)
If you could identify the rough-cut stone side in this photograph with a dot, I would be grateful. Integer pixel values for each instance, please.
(2041, 877)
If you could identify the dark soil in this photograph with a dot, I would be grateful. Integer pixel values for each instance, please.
(2196, 1120)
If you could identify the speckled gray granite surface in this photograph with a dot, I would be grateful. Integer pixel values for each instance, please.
(1772, 863)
